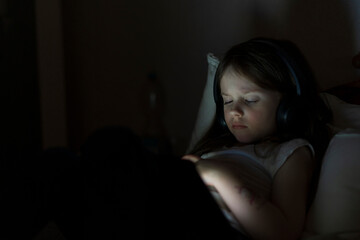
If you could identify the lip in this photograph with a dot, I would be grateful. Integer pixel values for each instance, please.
(238, 126)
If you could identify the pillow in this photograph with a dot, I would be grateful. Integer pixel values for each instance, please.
(348, 92)
(206, 113)
(345, 115)
(336, 207)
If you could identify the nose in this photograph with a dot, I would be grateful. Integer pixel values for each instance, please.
(237, 110)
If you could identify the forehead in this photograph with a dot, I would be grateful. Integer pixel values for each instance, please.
(235, 80)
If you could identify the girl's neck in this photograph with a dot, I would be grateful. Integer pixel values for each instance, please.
(271, 139)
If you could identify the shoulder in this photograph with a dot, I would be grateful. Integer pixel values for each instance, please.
(289, 147)
(298, 158)
(301, 156)
(281, 152)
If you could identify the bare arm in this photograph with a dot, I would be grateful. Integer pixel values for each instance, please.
(282, 216)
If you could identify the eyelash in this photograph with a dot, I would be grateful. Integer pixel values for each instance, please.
(248, 102)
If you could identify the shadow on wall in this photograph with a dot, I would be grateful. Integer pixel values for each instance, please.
(324, 32)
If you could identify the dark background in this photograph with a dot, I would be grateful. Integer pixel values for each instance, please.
(20, 132)
(69, 67)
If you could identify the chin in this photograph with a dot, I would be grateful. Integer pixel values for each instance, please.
(244, 139)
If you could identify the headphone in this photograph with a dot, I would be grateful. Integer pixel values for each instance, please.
(291, 112)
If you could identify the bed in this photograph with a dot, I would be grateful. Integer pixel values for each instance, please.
(335, 211)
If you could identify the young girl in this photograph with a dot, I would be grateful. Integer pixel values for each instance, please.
(261, 154)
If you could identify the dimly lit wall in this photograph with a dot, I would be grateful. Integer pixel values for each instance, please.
(20, 124)
(110, 46)
(50, 66)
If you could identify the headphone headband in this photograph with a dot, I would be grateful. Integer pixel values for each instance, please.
(288, 61)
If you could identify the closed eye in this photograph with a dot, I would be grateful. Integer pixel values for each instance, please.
(250, 101)
(227, 102)
(226, 99)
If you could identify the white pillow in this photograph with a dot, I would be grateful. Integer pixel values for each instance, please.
(336, 207)
(345, 115)
(206, 113)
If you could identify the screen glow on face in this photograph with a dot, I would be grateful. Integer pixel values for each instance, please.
(249, 110)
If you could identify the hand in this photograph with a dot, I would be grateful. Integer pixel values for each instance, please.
(205, 167)
(191, 158)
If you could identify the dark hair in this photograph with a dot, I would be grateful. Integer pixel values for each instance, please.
(265, 66)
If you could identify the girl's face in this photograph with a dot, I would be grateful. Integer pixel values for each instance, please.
(249, 110)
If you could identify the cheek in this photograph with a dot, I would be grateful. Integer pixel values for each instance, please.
(262, 119)
(267, 121)
(227, 117)
(255, 116)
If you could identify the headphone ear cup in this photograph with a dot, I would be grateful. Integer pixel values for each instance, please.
(223, 122)
(291, 116)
